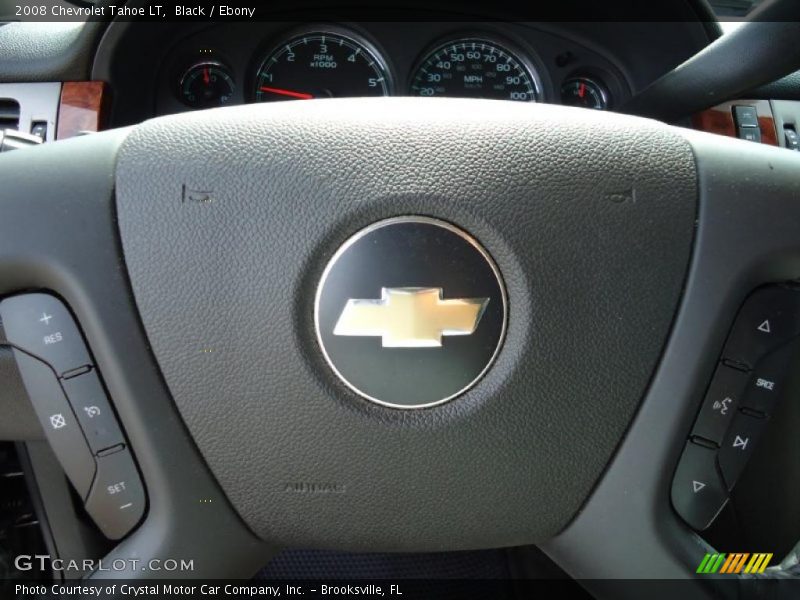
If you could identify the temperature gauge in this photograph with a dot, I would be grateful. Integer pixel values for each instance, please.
(584, 92)
(206, 85)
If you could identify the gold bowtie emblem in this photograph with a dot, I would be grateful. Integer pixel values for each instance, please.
(410, 317)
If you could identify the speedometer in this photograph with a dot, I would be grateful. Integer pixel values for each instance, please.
(475, 68)
(321, 65)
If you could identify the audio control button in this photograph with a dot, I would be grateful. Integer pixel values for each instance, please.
(721, 402)
(698, 493)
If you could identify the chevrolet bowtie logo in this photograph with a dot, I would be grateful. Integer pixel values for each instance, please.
(410, 317)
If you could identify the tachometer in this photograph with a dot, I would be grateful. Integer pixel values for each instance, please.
(475, 68)
(321, 65)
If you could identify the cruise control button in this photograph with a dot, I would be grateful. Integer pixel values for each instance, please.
(42, 325)
(720, 404)
(769, 318)
(90, 403)
(58, 421)
(117, 500)
(738, 446)
(768, 378)
(698, 493)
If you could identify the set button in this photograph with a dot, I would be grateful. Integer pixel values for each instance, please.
(117, 500)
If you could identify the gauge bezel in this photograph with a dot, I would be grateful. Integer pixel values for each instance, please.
(217, 64)
(596, 82)
(524, 57)
(351, 36)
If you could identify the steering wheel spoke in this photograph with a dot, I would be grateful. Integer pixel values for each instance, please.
(59, 234)
(747, 236)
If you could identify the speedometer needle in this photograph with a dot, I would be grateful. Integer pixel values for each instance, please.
(290, 93)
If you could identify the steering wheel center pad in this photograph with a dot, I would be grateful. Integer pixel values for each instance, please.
(228, 219)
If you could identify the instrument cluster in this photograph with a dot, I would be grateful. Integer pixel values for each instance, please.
(508, 62)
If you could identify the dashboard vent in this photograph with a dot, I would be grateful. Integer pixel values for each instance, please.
(9, 114)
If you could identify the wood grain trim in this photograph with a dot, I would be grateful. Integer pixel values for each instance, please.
(769, 134)
(83, 107)
(719, 120)
(715, 120)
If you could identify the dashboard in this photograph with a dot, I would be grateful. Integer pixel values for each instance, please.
(236, 63)
(155, 68)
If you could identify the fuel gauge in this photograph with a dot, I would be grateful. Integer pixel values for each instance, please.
(584, 92)
(206, 85)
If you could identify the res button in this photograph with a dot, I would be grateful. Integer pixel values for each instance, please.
(41, 325)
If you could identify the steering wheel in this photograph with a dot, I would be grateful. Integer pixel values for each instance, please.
(537, 296)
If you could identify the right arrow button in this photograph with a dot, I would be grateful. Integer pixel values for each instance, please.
(738, 446)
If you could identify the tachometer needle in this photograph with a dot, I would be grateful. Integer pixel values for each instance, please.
(290, 93)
